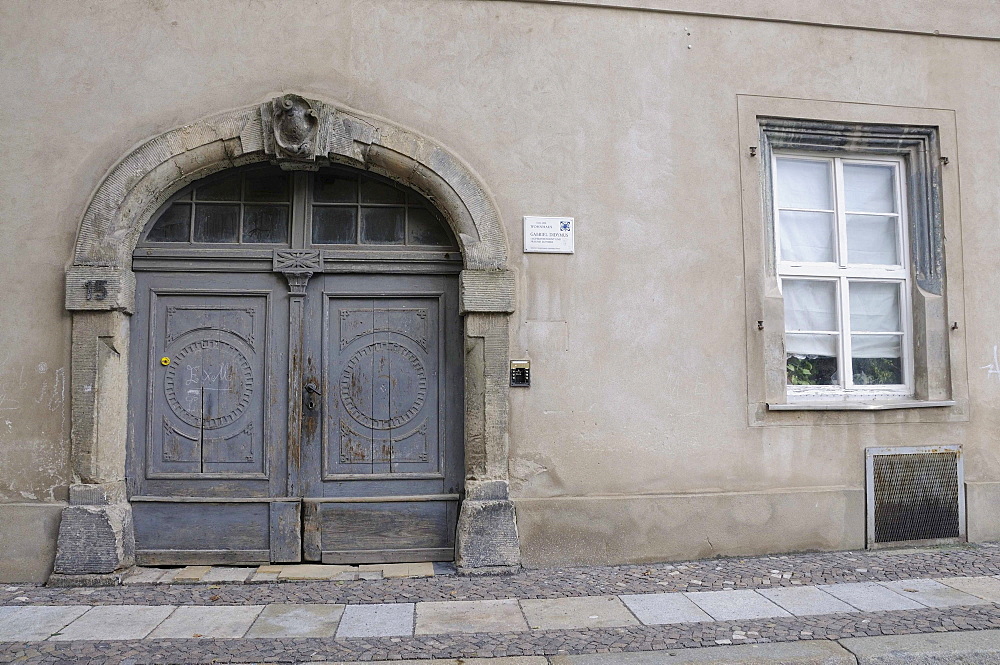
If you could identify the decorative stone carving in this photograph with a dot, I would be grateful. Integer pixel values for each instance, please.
(295, 260)
(297, 265)
(295, 128)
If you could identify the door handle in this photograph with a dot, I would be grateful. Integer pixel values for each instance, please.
(312, 390)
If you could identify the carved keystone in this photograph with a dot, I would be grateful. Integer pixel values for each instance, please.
(295, 127)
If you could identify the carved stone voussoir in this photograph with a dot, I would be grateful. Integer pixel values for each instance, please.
(295, 126)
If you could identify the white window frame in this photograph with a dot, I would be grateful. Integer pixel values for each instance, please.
(841, 271)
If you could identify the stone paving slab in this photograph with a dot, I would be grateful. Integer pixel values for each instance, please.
(870, 597)
(227, 574)
(788, 653)
(967, 648)
(805, 600)
(736, 605)
(143, 575)
(311, 572)
(115, 622)
(664, 608)
(508, 660)
(931, 593)
(168, 576)
(380, 620)
(203, 622)
(190, 574)
(987, 588)
(470, 616)
(36, 623)
(312, 620)
(584, 612)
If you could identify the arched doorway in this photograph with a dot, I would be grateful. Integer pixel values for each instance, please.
(307, 138)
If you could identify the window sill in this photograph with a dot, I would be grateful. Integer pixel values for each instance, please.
(859, 406)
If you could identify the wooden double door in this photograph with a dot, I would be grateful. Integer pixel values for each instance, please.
(273, 427)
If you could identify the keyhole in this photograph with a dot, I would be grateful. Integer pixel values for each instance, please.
(311, 404)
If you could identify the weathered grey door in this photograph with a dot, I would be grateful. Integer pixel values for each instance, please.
(382, 418)
(208, 473)
(296, 368)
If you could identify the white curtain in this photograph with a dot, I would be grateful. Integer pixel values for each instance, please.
(811, 305)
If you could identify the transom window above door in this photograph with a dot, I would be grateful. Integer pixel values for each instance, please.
(336, 207)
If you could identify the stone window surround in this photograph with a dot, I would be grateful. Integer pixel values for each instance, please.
(922, 137)
(95, 535)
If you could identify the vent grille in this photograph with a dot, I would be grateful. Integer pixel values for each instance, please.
(915, 494)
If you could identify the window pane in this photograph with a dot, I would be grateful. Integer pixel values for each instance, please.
(810, 304)
(265, 224)
(373, 191)
(874, 306)
(382, 226)
(877, 359)
(267, 186)
(424, 229)
(334, 226)
(872, 239)
(214, 222)
(806, 236)
(174, 225)
(869, 188)
(227, 189)
(811, 360)
(804, 184)
(335, 188)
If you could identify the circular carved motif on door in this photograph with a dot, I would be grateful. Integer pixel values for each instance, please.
(360, 380)
(209, 374)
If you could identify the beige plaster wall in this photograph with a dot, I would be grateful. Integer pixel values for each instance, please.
(627, 121)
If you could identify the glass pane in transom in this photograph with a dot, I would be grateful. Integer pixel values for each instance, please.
(811, 359)
(174, 225)
(335, 188)
(265, 224)
(804, 183)
(810, 304)
(870, 187)
(806, 236)
(873, 239)
(216, 222)
(223, 189)
(334, 225)
(382, 226)
(877, 359)
(874, 306)
(374, 191)
(423, 228)
(267, 186)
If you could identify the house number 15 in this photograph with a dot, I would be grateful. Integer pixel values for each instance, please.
(97, 289)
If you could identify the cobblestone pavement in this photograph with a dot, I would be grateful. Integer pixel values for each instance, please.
(761, 573)
(714, 574)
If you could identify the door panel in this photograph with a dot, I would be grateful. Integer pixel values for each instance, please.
(384, 467)
(209, 418)
(386, 531)
(382, 386)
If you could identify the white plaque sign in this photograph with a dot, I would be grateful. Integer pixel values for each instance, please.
(549, 234)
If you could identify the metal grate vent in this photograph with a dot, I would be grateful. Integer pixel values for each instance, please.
(915, 495)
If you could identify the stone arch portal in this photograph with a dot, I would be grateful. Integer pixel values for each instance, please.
(95, 534)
